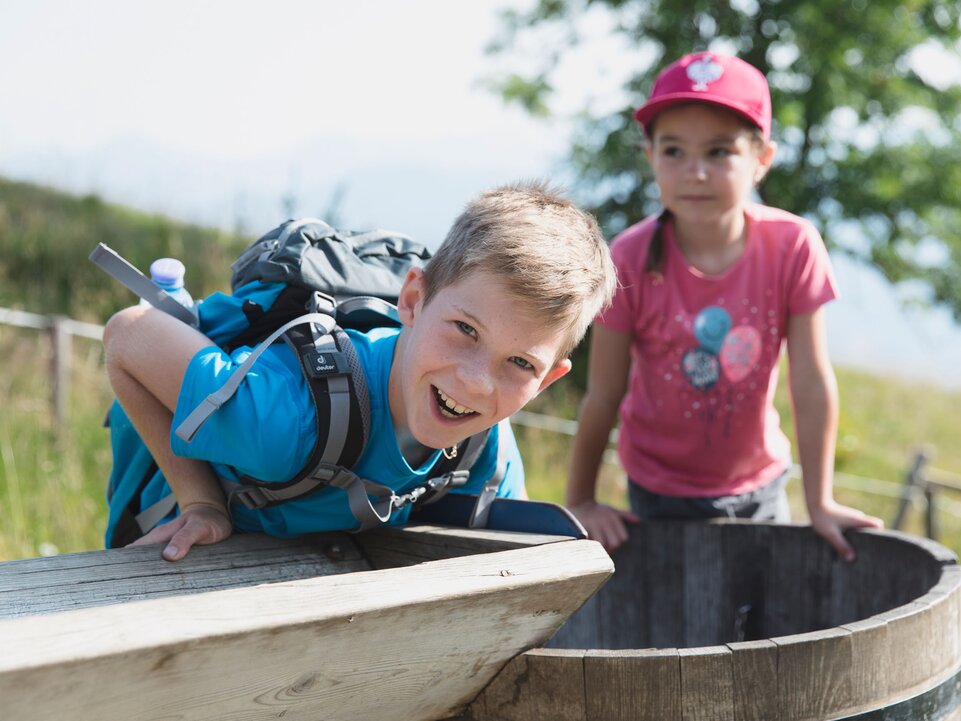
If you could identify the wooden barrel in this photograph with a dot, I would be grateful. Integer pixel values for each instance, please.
(756, 622)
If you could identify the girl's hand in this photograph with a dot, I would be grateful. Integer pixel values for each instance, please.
(831, 520)
(603, 523)
(198, 524)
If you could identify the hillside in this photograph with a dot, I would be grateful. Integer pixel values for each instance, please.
(46, 236)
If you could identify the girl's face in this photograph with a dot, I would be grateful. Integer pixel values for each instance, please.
(706, 162)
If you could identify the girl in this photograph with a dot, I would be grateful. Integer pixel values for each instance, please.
(709, 291)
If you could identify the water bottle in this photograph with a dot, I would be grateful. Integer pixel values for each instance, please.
(168, 274)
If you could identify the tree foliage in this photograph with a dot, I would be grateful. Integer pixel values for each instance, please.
(866, 115)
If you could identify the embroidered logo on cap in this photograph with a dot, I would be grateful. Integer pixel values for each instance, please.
(703, 71)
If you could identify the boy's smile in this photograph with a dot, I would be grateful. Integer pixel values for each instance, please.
(469, 358)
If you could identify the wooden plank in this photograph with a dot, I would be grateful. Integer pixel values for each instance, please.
(392, 547)
(874, 664)
(539, 685)
(556, 685)
(405, 644)
(96, 578)
(622, 618)
(747, 552)
(814, 675)
(797, 587)
(704, 587)
(754, 669)
(707, 684)
(663, 593)
(640, 685)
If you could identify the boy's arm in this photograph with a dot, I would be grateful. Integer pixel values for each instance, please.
(814, 397)
(147, 354)
(606, 385)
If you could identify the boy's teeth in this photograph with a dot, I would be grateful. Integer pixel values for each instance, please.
(452, 405)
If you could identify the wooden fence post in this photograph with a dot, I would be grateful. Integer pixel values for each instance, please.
(913, 482)
(60, 340)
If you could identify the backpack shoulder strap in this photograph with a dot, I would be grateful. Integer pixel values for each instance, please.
(485, 498)
(199, 415)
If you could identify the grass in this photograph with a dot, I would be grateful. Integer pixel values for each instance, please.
(52, 482)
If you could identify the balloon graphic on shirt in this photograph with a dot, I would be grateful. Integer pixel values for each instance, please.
(701, 368)
(711, 326)
(740, 352)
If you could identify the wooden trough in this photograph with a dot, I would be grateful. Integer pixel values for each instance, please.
(750, 622)
(401, 624)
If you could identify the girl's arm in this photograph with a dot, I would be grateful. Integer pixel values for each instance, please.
(814, 397)
(147, 354)
(606, 385)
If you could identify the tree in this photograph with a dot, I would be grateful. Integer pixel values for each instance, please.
(867, 115)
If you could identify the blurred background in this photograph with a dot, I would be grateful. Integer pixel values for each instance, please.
(190, 128)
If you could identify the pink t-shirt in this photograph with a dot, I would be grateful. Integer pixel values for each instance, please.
(698, 418)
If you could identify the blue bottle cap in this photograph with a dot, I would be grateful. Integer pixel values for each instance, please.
(167, 271)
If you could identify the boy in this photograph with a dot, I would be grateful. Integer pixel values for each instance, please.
(487, 325)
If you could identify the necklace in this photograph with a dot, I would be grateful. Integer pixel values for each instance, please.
(450, 453)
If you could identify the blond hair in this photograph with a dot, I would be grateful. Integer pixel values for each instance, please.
(549, 253)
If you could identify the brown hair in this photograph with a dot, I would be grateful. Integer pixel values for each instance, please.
(549, 253)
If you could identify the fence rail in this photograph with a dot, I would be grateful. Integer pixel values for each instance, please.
(921, 487)
(23, 319)
(61, 330)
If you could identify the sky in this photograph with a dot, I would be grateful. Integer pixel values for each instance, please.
(239, 114)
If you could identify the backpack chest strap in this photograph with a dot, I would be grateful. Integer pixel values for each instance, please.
(370, 503)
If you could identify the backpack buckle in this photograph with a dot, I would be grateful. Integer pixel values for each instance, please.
(252, 497)
(437, 488)
(320, 302)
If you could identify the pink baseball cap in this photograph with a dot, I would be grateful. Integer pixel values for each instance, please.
(711, 78)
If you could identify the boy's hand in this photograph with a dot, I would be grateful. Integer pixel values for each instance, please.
(197, 524)
(603, 523)
(831, 520)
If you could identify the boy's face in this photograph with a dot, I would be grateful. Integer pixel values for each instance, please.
(468, 359)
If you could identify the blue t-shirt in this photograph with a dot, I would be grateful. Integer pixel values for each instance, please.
(267, 431)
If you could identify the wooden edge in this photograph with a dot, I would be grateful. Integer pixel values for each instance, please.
(644, 654)
(104, 631)
(939, 553)
(512, 539)
(950, 582)
(390, 547)
(556, 653)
